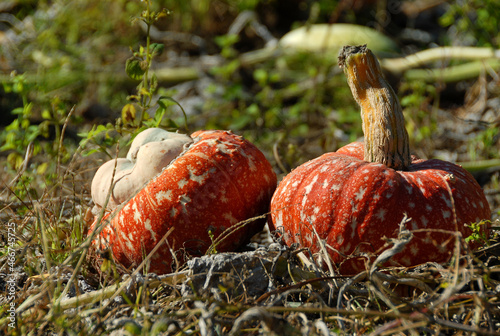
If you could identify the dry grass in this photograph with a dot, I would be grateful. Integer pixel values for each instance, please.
(267, 290)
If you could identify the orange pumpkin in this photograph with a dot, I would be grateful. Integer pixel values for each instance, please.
(219, 180)
(354, 198)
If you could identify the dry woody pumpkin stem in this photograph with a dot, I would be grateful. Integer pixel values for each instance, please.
(386, 138)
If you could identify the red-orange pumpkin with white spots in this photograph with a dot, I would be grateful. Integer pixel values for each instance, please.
(352, 202)
(220, 180)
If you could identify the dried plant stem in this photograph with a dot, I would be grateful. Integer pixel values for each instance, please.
(41, 226)
(386, 138)
(100, 295)
(453, 73)
(140, 267)
(61, 139)
(87, 243)
(230, 230)
(370, 313)
(435, 54)
(109, 291)
(481, 165)
(277, 157)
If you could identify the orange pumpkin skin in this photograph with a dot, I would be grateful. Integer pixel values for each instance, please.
(220, 180)
(352, 204)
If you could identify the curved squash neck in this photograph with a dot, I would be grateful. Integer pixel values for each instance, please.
(386, 138)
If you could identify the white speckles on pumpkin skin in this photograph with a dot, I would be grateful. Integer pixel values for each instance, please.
(433, 257)
(229, 217)
(446, 214)
(428, 208)
(163, 195)
(137, 214)
(278, 219)
(408, 187)
(222, 147)
(354, 207)
(182, 183)
(128, 243)
(414, 249)
(411, 205)
(424, 221)
(157, 257)
(199, 178)
(173, 212)
(360, 193)
(406, 261)
(126, 207)
(223, 197)
(446, 200)
(184, 200)
(121, 218)
(349, 149)
(335, 187)
(350, 164)
(414, 225)
(131, 237)
(261, 195)
(309, 187)
(129, 246)
(303, 216)
(308, 238)
(381, 214)
(354, 226)
(267, 178)
(362, 231)
(147, 226)
(211, 142)
(123, 236)
(478, 194)
(250, 160)
(443, 248)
